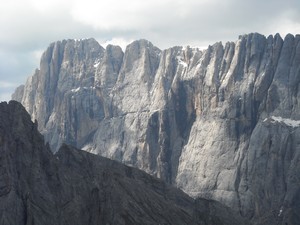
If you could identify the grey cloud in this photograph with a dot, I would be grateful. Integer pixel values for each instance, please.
(195, 23)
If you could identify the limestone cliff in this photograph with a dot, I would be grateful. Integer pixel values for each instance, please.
(221, 123)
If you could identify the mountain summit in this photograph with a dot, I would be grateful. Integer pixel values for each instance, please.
(221, 123)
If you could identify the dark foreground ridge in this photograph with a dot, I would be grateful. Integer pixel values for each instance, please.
(76, 187)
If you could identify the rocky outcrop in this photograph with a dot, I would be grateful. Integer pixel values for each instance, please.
(221, 123)
(76, 187)
(67, 68)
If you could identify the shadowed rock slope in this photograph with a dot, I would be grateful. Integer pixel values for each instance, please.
(76, 187)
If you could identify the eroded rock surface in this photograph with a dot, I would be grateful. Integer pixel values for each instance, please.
(76, 187)
(200, 119)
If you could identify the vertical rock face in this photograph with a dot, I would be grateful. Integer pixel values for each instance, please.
(222, 123)
(62, 92)
(242, 147)
(75, 187)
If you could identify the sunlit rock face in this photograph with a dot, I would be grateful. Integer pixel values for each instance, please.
(220, 123)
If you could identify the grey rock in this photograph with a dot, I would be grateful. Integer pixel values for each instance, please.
(76, 187)
(64, 83)
(206, 121)
(17, 95)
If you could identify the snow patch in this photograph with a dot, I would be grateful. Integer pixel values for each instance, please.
(181, 62)
(87, 147)
(193, 48)
(80, 39)
(84, 88)
(280, 212)
(286, 121)
(97, 62)
(75, 90)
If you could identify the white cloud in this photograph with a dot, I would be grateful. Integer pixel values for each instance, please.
(37, 54)
(27, 26)
(135, 14)
(49, 5)
(6, 89)
(5, 96)
(25, 23)
(115, 14)
(5, 84)
(287, 22)
(122, 42)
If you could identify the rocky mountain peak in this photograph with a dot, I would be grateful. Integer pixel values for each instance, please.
(214, 122)
(16, 121)
(109, 67)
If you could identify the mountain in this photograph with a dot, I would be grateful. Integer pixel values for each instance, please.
(220, 123)
(76, 187)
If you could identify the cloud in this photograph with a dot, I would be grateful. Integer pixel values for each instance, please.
(6, 89)
(5, 84)
(126, 15)
(34, 23)
(116, 41)
(28, 26)
(5, 97)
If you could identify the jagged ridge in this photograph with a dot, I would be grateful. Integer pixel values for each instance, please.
(198, 119)
(76, 187)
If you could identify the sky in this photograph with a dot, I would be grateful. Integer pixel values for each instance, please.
(27, 27)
